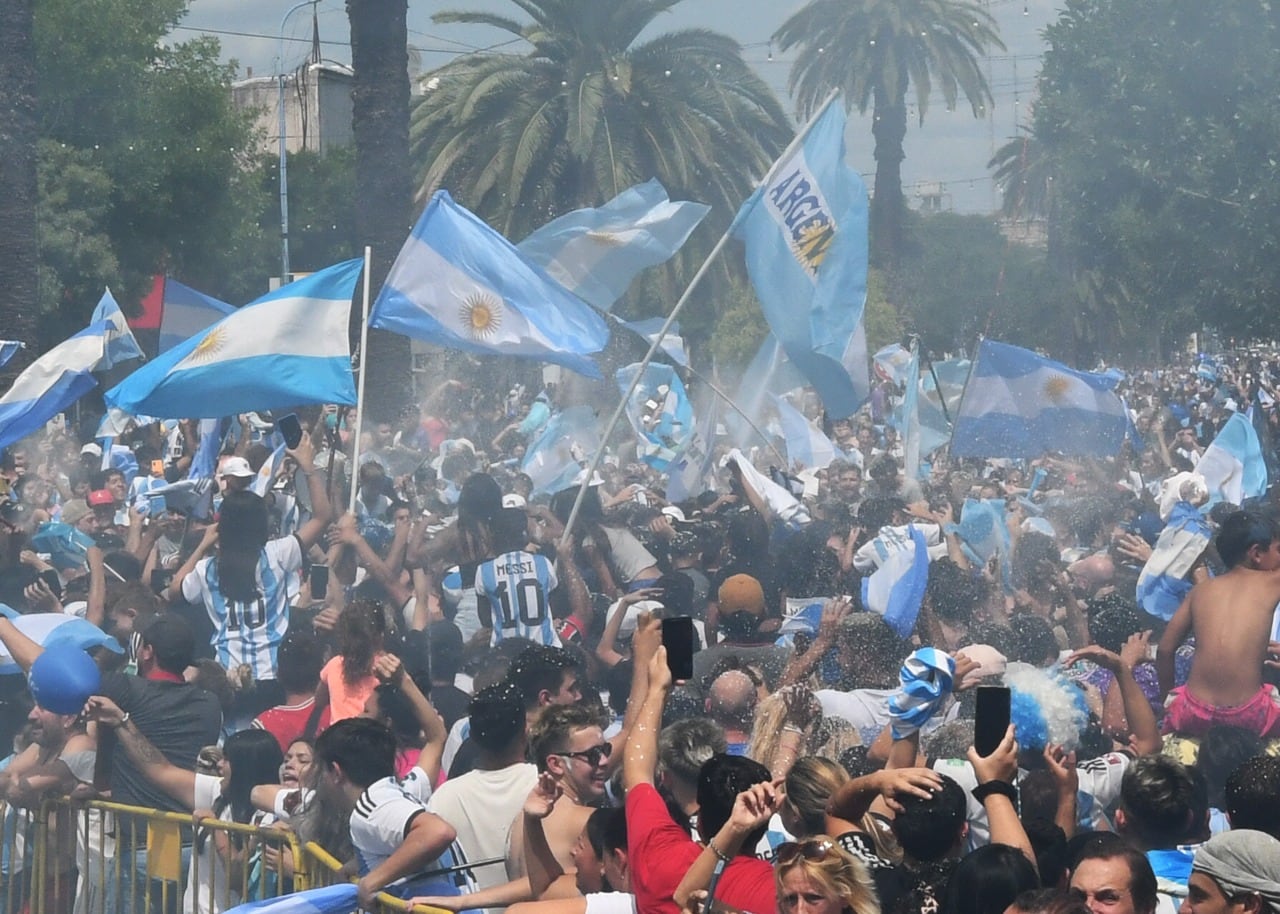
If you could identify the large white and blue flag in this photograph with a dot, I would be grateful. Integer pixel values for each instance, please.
(595, 253)
(1162, 583)
(262, 480)
(288, 348)
(805, 231)
(54, 630)
(1233, 465)
(807, 447)
(568, 441)
(8, 349)
(1019, 404)
(660, 413)
(121, 346)
(459, 284)
(694, 472)
(939, 402)
(186, 313)
(895, 590)
(204, 462)
(781, 504)
(891, 363)
(54, 381)
(331, 899)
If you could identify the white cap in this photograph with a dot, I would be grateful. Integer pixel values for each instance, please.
(235, 466)
(91, 448)
(673, 512)
(512, 500)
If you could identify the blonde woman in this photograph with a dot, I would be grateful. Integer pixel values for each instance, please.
(809, 787)
(814, 876)
(784, 728)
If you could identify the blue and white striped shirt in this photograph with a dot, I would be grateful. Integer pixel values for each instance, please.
(518, 586)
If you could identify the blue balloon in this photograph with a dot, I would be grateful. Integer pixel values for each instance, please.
(63, 678)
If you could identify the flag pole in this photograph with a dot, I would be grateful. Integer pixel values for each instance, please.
(364, 360)
(675, 312)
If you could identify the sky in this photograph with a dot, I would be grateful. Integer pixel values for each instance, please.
(951, 149)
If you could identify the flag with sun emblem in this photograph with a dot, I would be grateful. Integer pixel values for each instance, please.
(289, 348)
(1019, 404)
(595, 253)
(805, 231)
(459, 284)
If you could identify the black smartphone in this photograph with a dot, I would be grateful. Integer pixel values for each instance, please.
(52, 581)
(160, 578)
(290, 429)
(677, 638)
(319, 581)
(991, 718)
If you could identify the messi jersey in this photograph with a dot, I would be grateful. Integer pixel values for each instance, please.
(517, 586)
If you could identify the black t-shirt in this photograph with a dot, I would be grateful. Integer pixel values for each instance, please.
(178, 718)
(902, 888)
(451, 702)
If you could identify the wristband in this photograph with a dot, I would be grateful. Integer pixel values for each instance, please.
(1003, 788)
(720, 855)
(124, 720)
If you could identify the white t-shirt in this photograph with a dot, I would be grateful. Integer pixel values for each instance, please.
(382, 816)
(481, 806)
(1098, 791)
(868, 710)
(610, 903)
(250, 633)
(211, 893)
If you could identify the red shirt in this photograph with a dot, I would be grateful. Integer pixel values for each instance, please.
(288, 722)
(660, 852)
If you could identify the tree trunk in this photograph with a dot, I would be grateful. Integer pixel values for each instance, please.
(384, 188)
(889, 127)
(19, 252)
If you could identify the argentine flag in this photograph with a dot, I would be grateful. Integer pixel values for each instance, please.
(51, 629)
(595, 253)
(121, 346)
(60, 377)
(556, 458)
(332, 899)
(805, 231)
(288, 348)
(807, 446)
(660, 412)
(186, 313)
(895, 590)
(459, 284)
(1163, 583)
(1233, 466)
(8, 349)
(1019, 404)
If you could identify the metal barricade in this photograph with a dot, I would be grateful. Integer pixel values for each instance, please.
(323, 869)
(17, 833)
(84, 856)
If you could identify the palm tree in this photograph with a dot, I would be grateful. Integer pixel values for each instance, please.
(384, 177)
(18, 131)
(588, 112)
(872, 50)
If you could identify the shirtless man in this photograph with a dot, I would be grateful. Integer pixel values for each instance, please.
(1231, 618)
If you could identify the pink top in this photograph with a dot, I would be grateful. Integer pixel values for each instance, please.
(345, 700)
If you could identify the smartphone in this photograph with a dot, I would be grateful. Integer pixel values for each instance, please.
(319, 581)
(991, 718)
(157, 506)
(50, 577)
(677, 638)
(160, 578)
(157, 468)
(291, 429)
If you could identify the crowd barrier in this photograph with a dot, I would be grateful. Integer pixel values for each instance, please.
(69, 858)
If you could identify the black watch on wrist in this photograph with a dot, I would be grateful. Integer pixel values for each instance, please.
(1003, 788)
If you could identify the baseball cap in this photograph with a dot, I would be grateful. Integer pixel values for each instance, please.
(581, 478)
(512, 500)
(235, 466)
(99, 498)
(74, 511)
(741, 593)
(91, 448)
(674, 513)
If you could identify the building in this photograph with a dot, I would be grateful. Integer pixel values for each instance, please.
(317, 104)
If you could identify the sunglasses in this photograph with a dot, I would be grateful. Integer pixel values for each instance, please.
(812, 849)
(593, 756)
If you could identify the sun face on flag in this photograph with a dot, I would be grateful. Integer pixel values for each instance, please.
(606, 238)
(482, 315)
(1057, 386)
(208, 348)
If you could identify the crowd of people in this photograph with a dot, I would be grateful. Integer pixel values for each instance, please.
(473, 707)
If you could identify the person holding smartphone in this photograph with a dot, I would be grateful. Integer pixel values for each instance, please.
(246, 582)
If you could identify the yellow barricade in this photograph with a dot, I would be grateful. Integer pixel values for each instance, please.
(79, 851)
(323, 869)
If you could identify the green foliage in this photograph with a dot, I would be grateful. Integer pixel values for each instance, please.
(874, 51)
(590, 111)
(1159, 119)
(157, 156)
